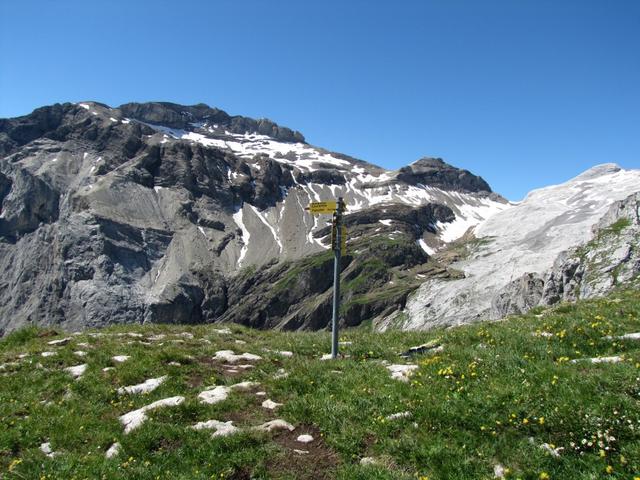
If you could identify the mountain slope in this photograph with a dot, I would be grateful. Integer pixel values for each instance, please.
(155, 212)
(520, 244)
(522, 397)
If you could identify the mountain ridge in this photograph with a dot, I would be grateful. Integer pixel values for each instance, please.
(106, 218)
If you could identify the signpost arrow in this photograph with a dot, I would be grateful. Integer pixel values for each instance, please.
(317, 208)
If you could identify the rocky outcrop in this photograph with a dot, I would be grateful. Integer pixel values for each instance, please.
(611, 258)
(518, 296)
(181, 116)
(437, 173)
(527, 240)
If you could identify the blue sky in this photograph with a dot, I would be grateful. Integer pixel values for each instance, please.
(523, 92)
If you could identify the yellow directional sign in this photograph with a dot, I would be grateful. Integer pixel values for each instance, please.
(323, 207)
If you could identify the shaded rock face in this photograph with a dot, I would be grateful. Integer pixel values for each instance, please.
(519, 296)
(181, 116)
(611, 258)
(435, 172)
(157, 212)
(27, 202)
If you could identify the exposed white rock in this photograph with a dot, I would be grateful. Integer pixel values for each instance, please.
(221, 392)
(222, 429)
(113, 451)
(46, 449)
(245, 366)
(396, 416)
(499, 471)
(80, 353)
(270, 404)
(130, 334)
(230, 357)
(614, 359)
(300, 452)
(48, 354)
(214, 395)
(369, 461)
(281, 373)
(222, 331)
(244, 386)
(120, 358)
(174, 364)
(240, 342)
(77, 371)
(277, 424)
(84, 345)
(144, 387)
(285, 353)
(626, 336)
(326, 356)
(135, 418)
(157, 337)
(60, 342)
(304, 438)
(402, 372)
(261, 394)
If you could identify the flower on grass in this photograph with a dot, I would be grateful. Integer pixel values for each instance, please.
(609, 469)
(544, 476)
(14, 463)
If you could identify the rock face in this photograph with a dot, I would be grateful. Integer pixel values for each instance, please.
(159, 212)
(610, 258)
(436, 173)
(568, 241)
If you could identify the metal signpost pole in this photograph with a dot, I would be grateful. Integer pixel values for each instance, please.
(337, 225)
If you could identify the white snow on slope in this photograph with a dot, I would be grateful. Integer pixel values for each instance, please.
(525, 238)
(362, 189)
(237, 217)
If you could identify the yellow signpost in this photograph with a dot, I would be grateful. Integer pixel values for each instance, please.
(339, 247)
(319, 208)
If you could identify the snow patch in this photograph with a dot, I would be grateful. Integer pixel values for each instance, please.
(237, 217)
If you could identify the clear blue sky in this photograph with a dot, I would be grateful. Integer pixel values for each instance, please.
(523, 92)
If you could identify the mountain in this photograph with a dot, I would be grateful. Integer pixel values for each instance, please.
(561, 243)
(158, 212)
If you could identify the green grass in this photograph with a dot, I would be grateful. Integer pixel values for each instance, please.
(494, 395)
(618, 226)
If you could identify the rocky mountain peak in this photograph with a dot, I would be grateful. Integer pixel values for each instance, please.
(598, 171)
(435, 172)
(177, 116)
